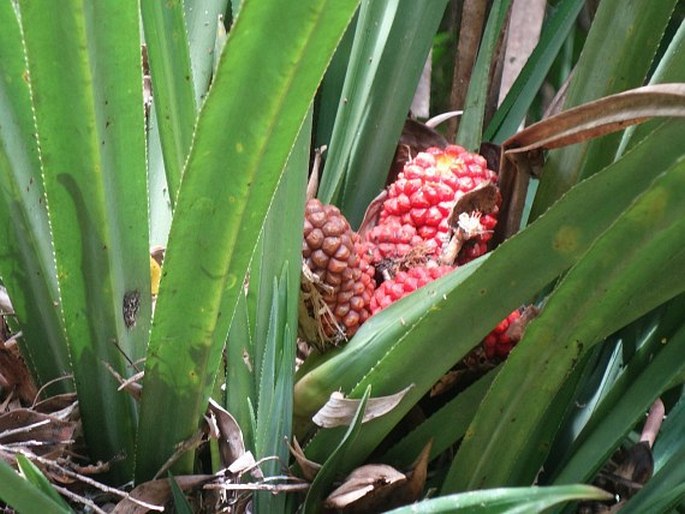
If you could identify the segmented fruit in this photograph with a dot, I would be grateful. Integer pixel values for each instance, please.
(331, 250)
(403, 283)
(499, 342)
(419, 204)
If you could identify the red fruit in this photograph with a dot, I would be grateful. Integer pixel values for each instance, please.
(403, 283)
(499, 342)
(420, 202)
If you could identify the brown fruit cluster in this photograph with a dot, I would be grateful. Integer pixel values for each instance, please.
(344, 279)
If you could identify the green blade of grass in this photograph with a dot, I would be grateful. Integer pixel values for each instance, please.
(384, 353)
(27, 265)
(244, 136)
(470, 132)
(389, 50)
(86, 83)
(25, 496)
(624, 267)
(172, 83)
(513, 109)
(607, 65)
(38, 479)
(181, 504)
(507, 500)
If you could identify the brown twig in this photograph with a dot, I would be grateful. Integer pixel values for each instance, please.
(472, 21)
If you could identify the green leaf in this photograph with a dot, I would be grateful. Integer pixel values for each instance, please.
(670, 439)
(202, 20)
(470, 132)
(455, 414)
(240, 377)
(622, 412)
(671, 68)
(86, 84)
(507, 500)
(244, 136)
(281, 245)
(606, 66)
(390, 47)
(515, 106)
(172, 81)
(27, 265)
(624, 266)
(622, 358)
(279, 250)
(329, 94)
(330, 468)
(24, 496)
(34, 476)
(274, 406)
(384, 353)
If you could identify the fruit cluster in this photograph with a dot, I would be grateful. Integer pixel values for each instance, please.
(438, 214)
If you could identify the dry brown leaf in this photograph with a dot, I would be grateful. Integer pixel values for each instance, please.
(368, 488)
(483, 199)
(14, 374)
(378, 487)
(371, 214)
(313, 182)
(600, 117)
(417, 477)
(416, 137)
(34, 431)
(308, 467)
(231, 441)
(57, 404)
(339, 411)
(158, 492)
(517, 327)
(522, 154)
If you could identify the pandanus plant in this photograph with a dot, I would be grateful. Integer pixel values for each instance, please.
(209, 157)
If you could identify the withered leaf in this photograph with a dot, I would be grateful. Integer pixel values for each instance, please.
(157, 493)
(417, 477)
(522, 154)
(483, 199)
(339, 411)
(308, 467)
(41, 433)
(371, 215)
(368, 488)
(231, 441)
(14, 374)
(379, 487)
(416, 137)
